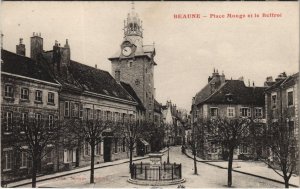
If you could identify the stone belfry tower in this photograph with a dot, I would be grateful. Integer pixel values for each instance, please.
(134, 62)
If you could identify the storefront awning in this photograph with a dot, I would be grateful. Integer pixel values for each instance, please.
(144, 142)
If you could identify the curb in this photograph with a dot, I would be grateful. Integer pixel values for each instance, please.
(250, 174)
(155, 183)
(67, 174)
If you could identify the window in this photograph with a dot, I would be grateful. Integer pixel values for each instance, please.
(24, 94)
(38, 117)
(130, 64)
(104, 115)
(51, 98)
(49, 155)
(213, 148)
(117, 116)
(24, 160)
(74, 109)
(274, 100)
(67, 109)
(87, 149)
(89, 113)
(24, 117)
(115, 148)
(99, 114)
(38, 95)
(291, 127)
(243, 149)
(108, 116)
(80, 110)
(68, 156)
(8, 159)
(245, 112)
(230, 112)
(9, 91)
(214, 112)
(51, 121)
(258, 112)
(98, 149)
(124, 144)
(9, 120)
(290, 98)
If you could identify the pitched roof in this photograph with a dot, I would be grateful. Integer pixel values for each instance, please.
(24, 66)
(131, 91)
(240, 94)
(205, 92)
(285, 81)
(97, 81)
(157, 106)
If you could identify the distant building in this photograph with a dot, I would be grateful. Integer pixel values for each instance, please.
(174, 121)
(226, 98)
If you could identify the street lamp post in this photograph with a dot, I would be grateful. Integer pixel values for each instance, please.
(168, 158)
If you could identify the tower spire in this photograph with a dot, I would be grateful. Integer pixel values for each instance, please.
(133, 25)
(132, 6)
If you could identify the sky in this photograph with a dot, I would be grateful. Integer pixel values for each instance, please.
(187, 50)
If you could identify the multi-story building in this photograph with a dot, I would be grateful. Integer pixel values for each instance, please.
(134, 63)
(89, 93)
(226, 98)
(27, 92)
(282, 104)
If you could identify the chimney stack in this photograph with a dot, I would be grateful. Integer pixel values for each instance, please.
(20, 49)
(36, 45)
(118, 76)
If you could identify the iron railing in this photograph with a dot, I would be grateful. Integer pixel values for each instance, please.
(145, 171)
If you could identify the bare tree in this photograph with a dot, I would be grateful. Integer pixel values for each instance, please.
(281, 141)
(194, 143)
(229, 133)
(89, 130)
(34, 136)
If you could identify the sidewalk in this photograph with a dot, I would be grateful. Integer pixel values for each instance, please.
(253, 168)
(75, 171)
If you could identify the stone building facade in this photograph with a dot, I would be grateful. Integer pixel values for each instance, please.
(27, 92)
(134, 63)
(226, 99)
(282, 103)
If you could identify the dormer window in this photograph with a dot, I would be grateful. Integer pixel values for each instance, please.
(229, 97)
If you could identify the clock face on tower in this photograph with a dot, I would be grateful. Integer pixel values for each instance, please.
(126, 51)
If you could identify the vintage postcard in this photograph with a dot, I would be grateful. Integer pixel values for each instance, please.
(150, 94)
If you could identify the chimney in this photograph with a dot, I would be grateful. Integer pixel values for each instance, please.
(118, 76)
(36, 46)
(222, 78)
(209, 79)
(269, 79)
(61, 57)
(20, 49)
(281, 77)
(96, 66)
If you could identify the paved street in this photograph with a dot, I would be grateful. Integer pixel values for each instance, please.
(116, 176)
